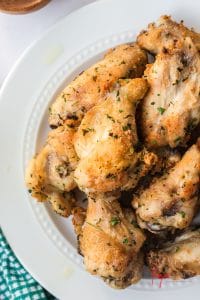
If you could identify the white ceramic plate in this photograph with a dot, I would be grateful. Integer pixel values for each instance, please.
(44, 242)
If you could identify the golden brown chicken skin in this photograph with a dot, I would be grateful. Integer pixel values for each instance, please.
(49, 175)
(90, 87)
(111, 241)
(166, 34)
(171, 108)
(179, 259)
(106, 142)
(171, 201)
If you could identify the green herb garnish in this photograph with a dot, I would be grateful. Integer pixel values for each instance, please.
(182, 213)
(125, 241)
(111, 176)
(177, 249)
(161, 110)
(114, 221)
(126, 127)
(85, 131)
(177, 139)
(111, 118)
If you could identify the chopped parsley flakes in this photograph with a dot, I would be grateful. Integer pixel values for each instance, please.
(126, 127)
(111, 118)
(161, 110)
(125, 241)
(182, 213)
(114, 221)
(85, 131)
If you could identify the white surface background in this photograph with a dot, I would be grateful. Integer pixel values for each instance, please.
(19, 31)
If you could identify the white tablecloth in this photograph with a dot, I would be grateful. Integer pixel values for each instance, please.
(19, 31)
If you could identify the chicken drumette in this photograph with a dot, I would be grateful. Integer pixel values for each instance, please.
(106, 142)
(171, 201)
(49, 175)
(90, 87)
(110, 241)
(166, 34)
(171, 108)
(179, 259)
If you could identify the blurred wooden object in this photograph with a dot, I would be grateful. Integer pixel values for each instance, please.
(21, 6)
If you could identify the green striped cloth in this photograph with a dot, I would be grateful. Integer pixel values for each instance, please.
(15, 282)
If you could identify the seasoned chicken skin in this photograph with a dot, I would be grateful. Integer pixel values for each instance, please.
(106, 142)
(90, 87)
(171, 108)
(167, 158)
(171, 201)
(166, 34)
(111, 241)
(179, 259)
(49, 174)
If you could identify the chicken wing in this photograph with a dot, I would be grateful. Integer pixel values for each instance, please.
(179, 259)
(106, 142)
(50, 173)
(166, 34)
(111, 241)
(171, 108)
(171, 201)
(90, 87)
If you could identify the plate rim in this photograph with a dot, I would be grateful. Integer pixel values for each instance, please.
(12, 73)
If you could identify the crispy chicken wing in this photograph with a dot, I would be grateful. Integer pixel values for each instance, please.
(171, 108)
(106, 142)
(171, 201)
(90, 87)
(166, 34)
(179, 259)
(110, 242)
(50, 173)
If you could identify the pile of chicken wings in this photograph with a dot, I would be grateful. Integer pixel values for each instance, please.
(125, 133)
